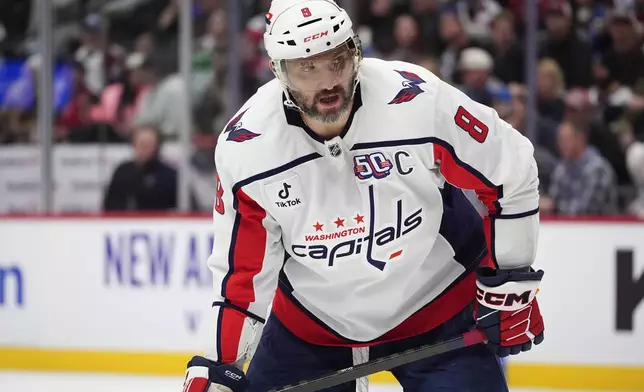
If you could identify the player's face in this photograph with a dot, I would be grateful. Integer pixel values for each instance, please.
(322, 85)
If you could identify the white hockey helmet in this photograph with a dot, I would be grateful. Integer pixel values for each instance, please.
(299, 29)
(303, 28)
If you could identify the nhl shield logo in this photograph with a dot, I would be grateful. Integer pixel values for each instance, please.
(335, 150)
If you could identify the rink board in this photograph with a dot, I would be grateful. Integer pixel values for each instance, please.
(124, 295)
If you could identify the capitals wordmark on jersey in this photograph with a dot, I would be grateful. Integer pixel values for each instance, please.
(386, 237)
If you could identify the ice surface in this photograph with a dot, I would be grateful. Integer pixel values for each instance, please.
(73, 382)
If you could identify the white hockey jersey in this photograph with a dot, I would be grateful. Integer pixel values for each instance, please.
(366, 237)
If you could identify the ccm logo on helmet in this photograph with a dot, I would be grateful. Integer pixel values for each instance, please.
(502, 301)
(316, 36)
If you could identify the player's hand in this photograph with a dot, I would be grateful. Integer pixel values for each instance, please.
(204, 375)
(507, 309)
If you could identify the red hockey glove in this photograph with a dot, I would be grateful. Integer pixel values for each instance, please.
(204, 375)
(507, 309)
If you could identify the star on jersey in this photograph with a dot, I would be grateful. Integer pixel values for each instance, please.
(339, 222)
(318, 226)
(359, 218)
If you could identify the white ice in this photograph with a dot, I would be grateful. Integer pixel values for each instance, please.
(73, 382)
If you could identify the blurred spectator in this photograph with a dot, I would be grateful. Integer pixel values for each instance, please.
(216, 32)
(550, 90)
(611, 97)
(564, 46)
(456, 40)
(625, 59)
(101, 59)
(475, 66)
(120, 102)
(75, 116)
(508, 55)
(408, 44)
(144, 183)
(210, 108)
(590, 17)
(583, 183)
(582, 114)
(380, 19)
(634, 151)
(546, 134)
(427, 14)
(14, 21)
(167, 26)
(146, 44)
(159, 105)
(476, 16)
(20, 105)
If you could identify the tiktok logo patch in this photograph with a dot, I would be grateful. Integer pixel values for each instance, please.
(286, 194)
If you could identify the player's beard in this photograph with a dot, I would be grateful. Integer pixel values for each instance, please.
(331, 116)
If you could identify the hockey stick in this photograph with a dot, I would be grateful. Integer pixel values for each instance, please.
(389, 362)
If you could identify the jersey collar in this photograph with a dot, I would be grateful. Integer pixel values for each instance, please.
(294, 118)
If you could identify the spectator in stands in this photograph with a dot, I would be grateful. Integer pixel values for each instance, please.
(408, 44)
(456, 40)
(634, 151)
(546, 135)
(14, 21)
(551, 89)
(120, 102)
(625, 59)
(20, 105)
(584, 182)
(75, 116)
(590, 17)
(216, 33)
(506, 50)
(145, 43)
(168, 22)
(381, 18)
(144, 183)
(475, 66)
(583, 114)
(427, 14)
(102, 60)
(476, 16)
(562, 44)
(611, 97)
(161, 104)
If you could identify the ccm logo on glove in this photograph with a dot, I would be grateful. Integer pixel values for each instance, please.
(232, 375)
(511, 296)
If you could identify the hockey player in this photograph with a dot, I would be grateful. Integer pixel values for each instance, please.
(340, 200)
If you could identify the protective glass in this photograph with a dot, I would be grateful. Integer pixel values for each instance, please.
(320, 72)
